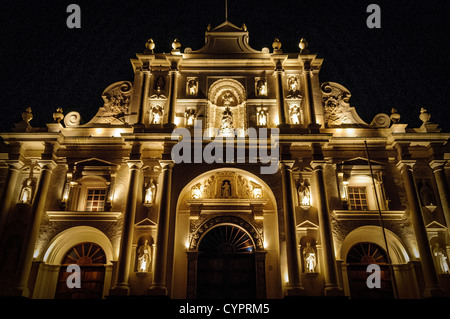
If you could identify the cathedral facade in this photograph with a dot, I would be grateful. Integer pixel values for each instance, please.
(225, 172)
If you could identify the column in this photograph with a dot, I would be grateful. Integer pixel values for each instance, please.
(144, 94)
(8, 192)
(159, 283)
(326, 236)
(294, 286)
(432, 287)
(121, 287)
(442, 185)
(280, 96)
(37, 209)
(309, 98)
(173, 92)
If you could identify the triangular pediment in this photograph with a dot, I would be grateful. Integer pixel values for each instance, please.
(94, 162)
(436, 225)
(227, 26)
(307, 225)
(146, 223)
(359, 161)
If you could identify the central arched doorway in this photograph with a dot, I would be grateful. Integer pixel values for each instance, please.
(226, 264)
(359, 257)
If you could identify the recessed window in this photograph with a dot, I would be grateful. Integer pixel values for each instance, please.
(357, 198)
(95, 199)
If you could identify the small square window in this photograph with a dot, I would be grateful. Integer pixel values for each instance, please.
(357, 198)
(95, 201)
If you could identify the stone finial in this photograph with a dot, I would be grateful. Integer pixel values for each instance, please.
(395, 116)
(58, 116)
(244, 27)
(424, 116)
(276, 45)
(176, 45)
(150, 45)
(27, 115)
(303, 44)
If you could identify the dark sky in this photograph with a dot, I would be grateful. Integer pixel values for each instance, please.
(45, 65)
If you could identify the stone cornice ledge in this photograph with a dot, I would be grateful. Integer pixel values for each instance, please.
(368, 214)
(72, 216)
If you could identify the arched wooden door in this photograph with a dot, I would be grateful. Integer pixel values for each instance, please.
(226, 264)
(359, 257)
(91, 259)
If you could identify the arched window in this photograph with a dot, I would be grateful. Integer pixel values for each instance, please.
(91, 258)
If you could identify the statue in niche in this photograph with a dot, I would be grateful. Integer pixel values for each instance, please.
(150, 192)
(160, 84)
(441, 259)
(157, 114)
(190, 117)
(304, 195)
(309, 255)
(426, 194)
(226, 126)
(226, 189)
(293, 83)
(261, 117)
(261, 87)
(144, 257)
(295, 114)
(192, 87)
(227, 98)
(26, 193)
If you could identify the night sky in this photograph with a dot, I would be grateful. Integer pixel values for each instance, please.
(46, 65)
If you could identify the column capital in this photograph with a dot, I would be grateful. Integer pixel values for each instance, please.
(405, 164)
(14, 164)
(135, 164)
(166, 164)
(318, 164)
(437, 165)
(47, 164)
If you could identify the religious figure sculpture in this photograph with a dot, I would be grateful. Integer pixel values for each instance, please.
(226, 126)
(192, 87)
(150, 193)
(261, 117)
(295, 114)
(144, 257)
(309, 255)
(426, 194)
(304, 195)
(261, 87)
(157, 114)
(190, 117)
(25, 195)
(293, 83)
(226, 189)
(441, 259)
(159, 84)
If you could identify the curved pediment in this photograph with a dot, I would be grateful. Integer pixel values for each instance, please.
(226, 38)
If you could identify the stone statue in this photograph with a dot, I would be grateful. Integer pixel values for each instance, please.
(25, 195)
(261, 87)
(304, 195)
(150, 192)
(157, 114)
(226, 189)
(190, 117)
(441, 259)
(159, 84)
(226, 126)
(192, 87)
(144, 257)
(262, 117)
(426, 194)
(293, 83)
(309, 255)
(295, 114)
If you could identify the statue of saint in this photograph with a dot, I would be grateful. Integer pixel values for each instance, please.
(304, 195)
(157, 115)
(226, 126)
(262, 118)
(426, 194)
(441, 259)
(192, 87)
(295, 114)
(190, 117)
(309, 255)
(226, 189)
(293, 83)
(144, 257)
(150, 192)
(25, 195)
(261, 87)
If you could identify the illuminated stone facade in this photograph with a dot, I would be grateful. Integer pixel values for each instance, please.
(107, 195)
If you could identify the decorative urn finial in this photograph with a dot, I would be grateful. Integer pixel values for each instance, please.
(303, 44)
(424, 116)
(58, 116)
(150, 45)
(27, 115)
(276, 45)
(176, 45)
(395, 116)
